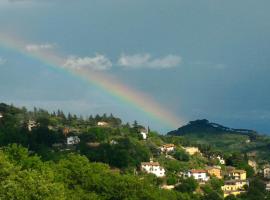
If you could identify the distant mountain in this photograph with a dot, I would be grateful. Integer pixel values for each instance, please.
(203, 126)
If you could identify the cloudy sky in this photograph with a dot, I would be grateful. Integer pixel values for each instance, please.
(197, 59)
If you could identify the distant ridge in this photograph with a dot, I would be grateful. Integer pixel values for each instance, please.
(204, 126)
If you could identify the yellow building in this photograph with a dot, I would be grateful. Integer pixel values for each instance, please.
(234, 187)
(238, 174)
(191, 150)
(214, 171)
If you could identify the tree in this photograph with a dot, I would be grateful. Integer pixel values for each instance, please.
(188, 185)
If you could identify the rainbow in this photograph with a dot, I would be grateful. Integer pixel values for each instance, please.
(140, 101)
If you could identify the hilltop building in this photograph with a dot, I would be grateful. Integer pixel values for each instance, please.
(144, 133)
(102, 123)
(153, 168)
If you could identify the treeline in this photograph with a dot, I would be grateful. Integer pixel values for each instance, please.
(27, 177)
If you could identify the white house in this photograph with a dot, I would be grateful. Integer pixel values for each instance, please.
(1, 115)
(73, 140)
(101, 123)
(167, 148)
(198, 174)
(221, 160)
(153, 168)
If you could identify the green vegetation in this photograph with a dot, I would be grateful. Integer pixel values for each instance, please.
(36, 162)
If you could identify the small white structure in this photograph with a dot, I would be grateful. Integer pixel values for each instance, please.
(144, 134)
(198, 174)
(221, 160)
(267, 186)
(167, 187)
(31, 124)
(266, 172)
(73, 140)
(101, 123)
(153, 168)
(113, 142)
(167, 148)
(1, 115)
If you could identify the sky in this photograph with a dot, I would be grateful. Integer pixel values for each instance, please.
(193, 59)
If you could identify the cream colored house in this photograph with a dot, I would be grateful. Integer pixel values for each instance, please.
(192, 150)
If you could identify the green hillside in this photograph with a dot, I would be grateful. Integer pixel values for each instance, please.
(224, 139)
(63, 156)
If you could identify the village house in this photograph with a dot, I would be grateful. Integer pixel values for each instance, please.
(1, 115)
(198, 174)
(153, 168)
(192, 150)
(266, 171)
(73, 140)
(31, 124)
(237, 174)
(102, 123)
(267, 186)
(253, 164)
(221, 160)
(214, 171)
(234, 187)
(167, 148)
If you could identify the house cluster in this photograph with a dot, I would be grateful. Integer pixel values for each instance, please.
(235, 179)
(236, 183)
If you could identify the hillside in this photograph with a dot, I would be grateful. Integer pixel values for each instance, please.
(62, 156)
(224, 139)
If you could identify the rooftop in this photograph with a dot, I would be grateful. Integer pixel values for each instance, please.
(150, 163)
